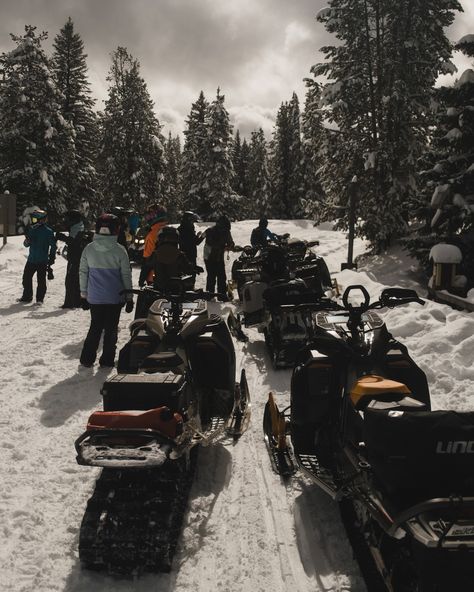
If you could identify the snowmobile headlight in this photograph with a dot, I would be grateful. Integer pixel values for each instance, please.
(141, 241)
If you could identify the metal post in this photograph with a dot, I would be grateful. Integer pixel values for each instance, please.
(6, 220)
(352, 218)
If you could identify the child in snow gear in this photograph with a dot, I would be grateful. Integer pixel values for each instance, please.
(76, 242)
(156, 218)
(188, 239)
(104, 271)
(261, 235)
(42, 244)
(218, 240)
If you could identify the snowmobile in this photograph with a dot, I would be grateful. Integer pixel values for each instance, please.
(137, 245)
(360, 425)
(281, 305)
(174, 390)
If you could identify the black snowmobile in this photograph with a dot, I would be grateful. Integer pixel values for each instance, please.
(175, 389)
(281, 305)
(360, 426)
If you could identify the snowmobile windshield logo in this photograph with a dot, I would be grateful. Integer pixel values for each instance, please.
(455, 447)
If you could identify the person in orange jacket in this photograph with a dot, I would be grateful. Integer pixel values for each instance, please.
(156, 218)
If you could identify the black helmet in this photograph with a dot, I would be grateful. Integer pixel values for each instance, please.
(168, 234)
(73, 217)
(107, 224)
(38, 217)
(223, 222)
(263, 222)
(189, 216)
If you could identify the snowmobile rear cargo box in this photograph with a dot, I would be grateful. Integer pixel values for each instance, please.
(143, 391)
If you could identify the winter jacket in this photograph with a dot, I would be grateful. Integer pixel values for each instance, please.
(260, 236)
(40, 239)
(151, 238)
(76, 242)
(188, 240)
(104, 271)
(217, 241)
(169, 262)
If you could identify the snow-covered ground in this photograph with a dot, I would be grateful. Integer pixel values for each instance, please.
(245, 530)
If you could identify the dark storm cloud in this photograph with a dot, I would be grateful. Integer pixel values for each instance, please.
(257, 51)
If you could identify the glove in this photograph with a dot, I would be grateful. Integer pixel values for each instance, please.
(50, 273)
(129, 306)
(198, 269)
(84, 304)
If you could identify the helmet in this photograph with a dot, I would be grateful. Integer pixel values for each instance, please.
(168, 234)
(156, 213)
(107, 224)
(38, 217)
(223, 222)
(189, 216)
(263, 222)
(73, 217)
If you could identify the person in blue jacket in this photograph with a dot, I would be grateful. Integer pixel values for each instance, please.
(42, 244)
(261, 235)
(104, 271)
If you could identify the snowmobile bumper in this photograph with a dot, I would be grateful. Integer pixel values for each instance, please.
(124, 448)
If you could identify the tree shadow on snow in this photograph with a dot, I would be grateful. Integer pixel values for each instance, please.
(78, 392)
(256, 352)
(322, 541)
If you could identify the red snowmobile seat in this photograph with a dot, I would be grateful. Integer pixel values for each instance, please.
(160, 419)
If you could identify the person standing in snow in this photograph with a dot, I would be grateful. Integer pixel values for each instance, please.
(42, 244)
(218, 240)
(104, 271)
(156, 218)
(188, 239)
(76, 242)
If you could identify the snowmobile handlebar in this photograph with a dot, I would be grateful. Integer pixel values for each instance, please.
(187, 296)
(389, 298)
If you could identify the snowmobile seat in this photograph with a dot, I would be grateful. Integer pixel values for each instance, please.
(160, 419)
(288, 292)
(417, 455)
(372, 387)
(161, 360)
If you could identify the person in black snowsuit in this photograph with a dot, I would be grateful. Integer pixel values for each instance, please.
(122, 215)
(77, 240)
(218, 240)
(188, 239)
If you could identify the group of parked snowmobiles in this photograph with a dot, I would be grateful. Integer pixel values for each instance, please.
(359, 424)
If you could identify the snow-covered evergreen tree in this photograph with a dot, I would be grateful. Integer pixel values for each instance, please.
(381, 77)
(286, 162)
(240, 162)
(449, 188)
(220, 198)
(195, 159)
(37, 153)
(172, 179)
(132, 148)
(258, 176)
(70, 72)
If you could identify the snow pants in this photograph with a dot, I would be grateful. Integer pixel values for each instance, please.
(28, 273)
(216, 271)
(72, 298)
(104, 319)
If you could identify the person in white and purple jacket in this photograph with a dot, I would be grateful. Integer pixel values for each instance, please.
(104, 271)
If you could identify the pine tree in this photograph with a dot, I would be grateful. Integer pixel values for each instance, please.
(449, 176)
(258, 176)
(195, 156)
(36, 143)
(131, 156)
(172, 178)
(70, 72)
(220, 198)
(381, 78)
(240, 162)
(313, 138)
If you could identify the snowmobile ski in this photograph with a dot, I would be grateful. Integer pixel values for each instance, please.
(235, 327)
(276, 439)
(240, 417)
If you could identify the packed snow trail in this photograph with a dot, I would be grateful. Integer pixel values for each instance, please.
(245, 530)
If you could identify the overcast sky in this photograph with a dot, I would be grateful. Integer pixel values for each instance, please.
(257, 51)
